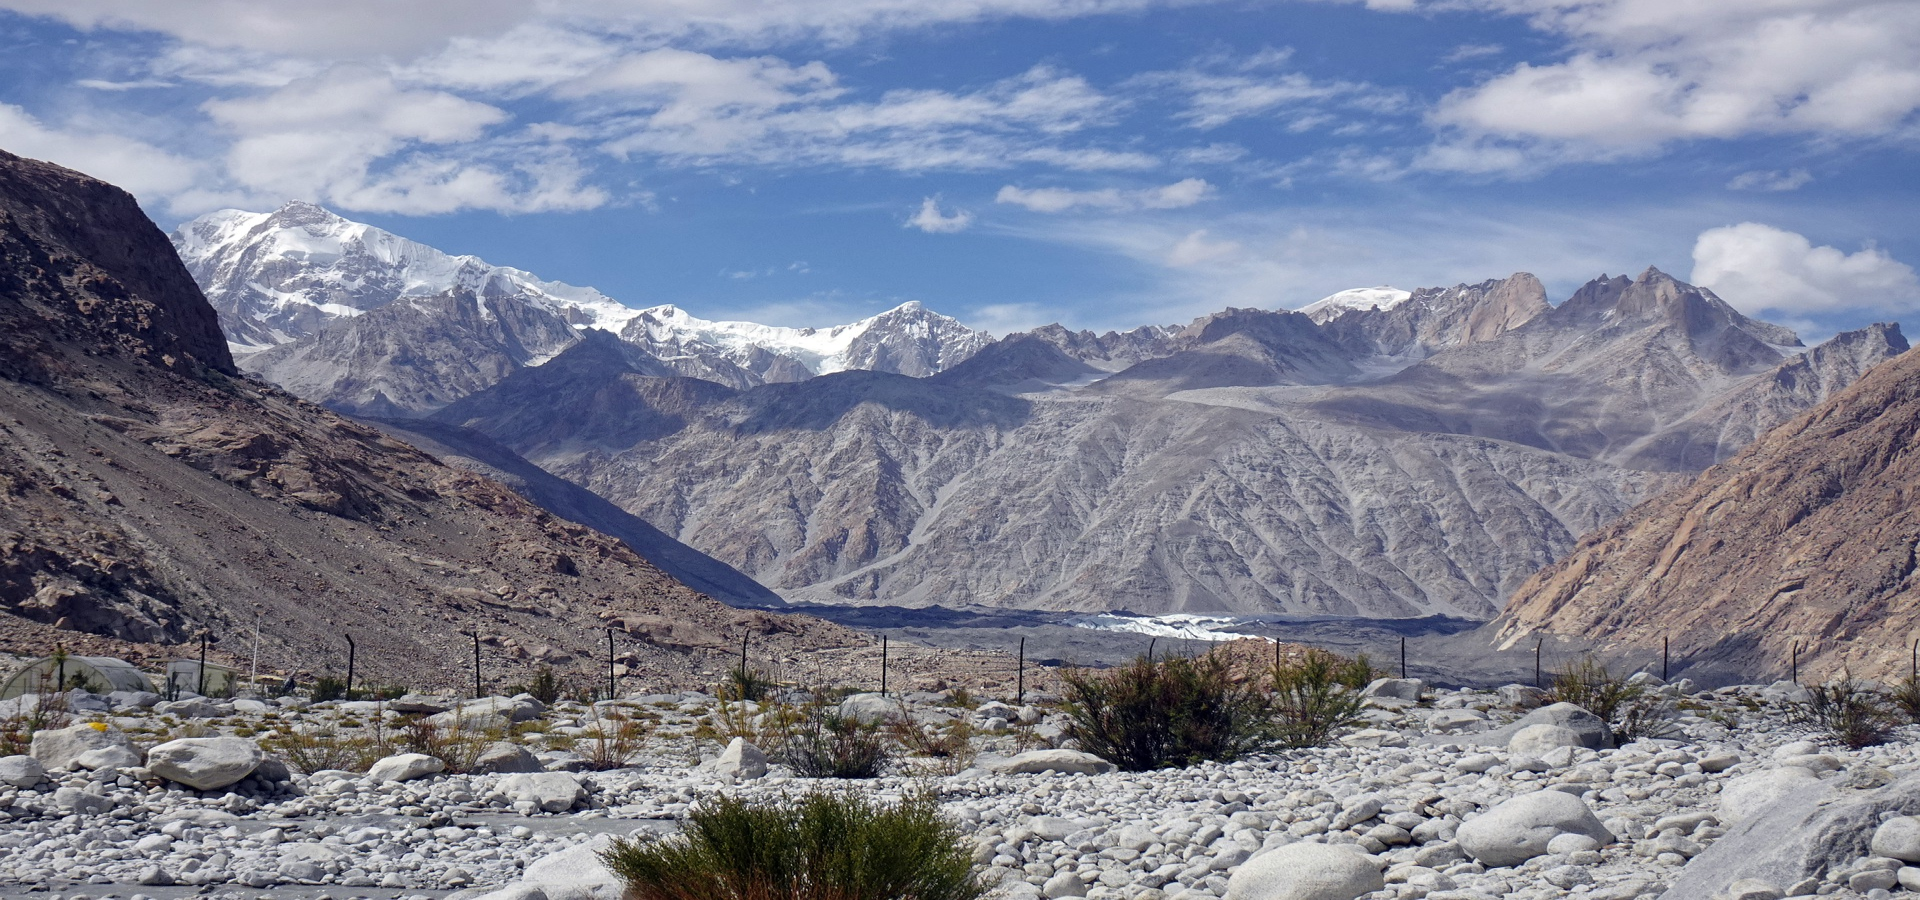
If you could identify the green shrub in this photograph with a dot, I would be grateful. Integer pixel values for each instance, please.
(324, 748)
(1630, 710)
(327, 687)
(1906, 698)
(822, 743)
(743, 683)
(1355, 673)
(545, 686)
(1314, 698)
(1153, 714)
(1851, 713)
(611, 742)
(826, 846)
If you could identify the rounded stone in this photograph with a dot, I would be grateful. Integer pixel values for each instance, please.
(1306, 872)
(1522, 827)
(405, 767)
(1898, 838)
(1748, 794)
(1538, 740)
(205, 763)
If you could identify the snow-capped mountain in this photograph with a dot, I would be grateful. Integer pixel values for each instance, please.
(908, 340)
(313, 301)
(1333, 306)
(281, 276)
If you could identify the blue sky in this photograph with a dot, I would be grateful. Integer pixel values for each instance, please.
(1103, 163)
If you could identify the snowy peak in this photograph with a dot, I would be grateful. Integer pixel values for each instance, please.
(281, 276)
(1333, 306)
(908, 339)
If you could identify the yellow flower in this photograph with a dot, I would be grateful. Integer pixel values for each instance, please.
(98, 726)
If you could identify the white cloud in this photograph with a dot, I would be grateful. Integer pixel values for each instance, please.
(1792, 180)
(932, 221)
(1218, 90)
(355, 139)
(1758, 267)
(1197, 248)
(1008, 318)
(144, 170)
(1183, 193)
(1643, 73)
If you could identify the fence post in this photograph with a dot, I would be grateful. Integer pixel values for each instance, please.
(1403, 657)
(612, 679)
(883, 665)
(1150, 643)
(1796, 662)
(350, 653)
(1020, 675)
(1536, 661)
(201, 688)
(476, 663)
(1665, 646)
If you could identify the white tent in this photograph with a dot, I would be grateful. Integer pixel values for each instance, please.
(99, 674)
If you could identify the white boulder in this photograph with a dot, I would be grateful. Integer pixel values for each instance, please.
(1537, 740)
(741, 760)
(108, 758)
(1065, 762)
(1306, 872)
(59, 748)
(1520, 828)
(871, 708)
(1898, 839)
(205, 763)
(551, 791)
(503, 757)
(405, 767)
(21, 771)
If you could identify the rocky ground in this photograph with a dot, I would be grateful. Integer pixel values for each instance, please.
(1458, 795)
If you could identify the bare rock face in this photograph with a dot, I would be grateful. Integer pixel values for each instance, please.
(1806, 537)
(1434, 319)
(146, 492)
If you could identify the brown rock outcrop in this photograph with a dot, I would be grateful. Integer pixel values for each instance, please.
(1807, 537)
(148, 493)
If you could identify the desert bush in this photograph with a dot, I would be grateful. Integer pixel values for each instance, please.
(1631, 711)
(821, 743)
(324, 747)
(743, 683)
(1355, 673)
(1314, 698)
(611, 742)
(949, 744)
(544, 686)
(825, 846)
(459, 748)
(1153, 714)
(1851, 713)
(50, 711)
(1906, 698)
(327, 687)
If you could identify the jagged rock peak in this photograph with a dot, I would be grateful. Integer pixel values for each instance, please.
(78, 257)
(1656, 296)
(1432, 319)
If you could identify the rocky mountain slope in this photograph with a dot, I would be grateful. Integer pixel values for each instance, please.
(1243, 463)
(366, 322)
(1808, 537)
(151, 494)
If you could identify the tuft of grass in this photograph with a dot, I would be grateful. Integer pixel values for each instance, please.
(1176, 711)
(322, 748)
(1906, 698)
(1314, 698)
(743, 683)
(1850, 712)
(50, 711)
(545, 686)
(825, 846)
(611, 742)
(949, 744)
(327, 687)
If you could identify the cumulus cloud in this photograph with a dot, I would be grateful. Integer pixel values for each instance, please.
(1759, 268)
(932, 221)
(1643, 73)
(141, 168)
(355, 138)
(1185, 192)
(1791, 180)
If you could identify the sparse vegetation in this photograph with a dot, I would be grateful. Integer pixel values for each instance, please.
(949, 744)
(611, 742)
(1852, 713)
(1630, 710)
(49, 711)
(323, 747)
(743, 683)
(1906, 698)
(327, 687)
(1153, 714)
(825, 846)
(1314, 697)
(544, 686)
(822, 743)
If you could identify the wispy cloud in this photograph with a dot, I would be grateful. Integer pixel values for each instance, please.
(1791, 180)
(1179, 194)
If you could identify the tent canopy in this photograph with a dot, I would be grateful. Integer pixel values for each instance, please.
(99, 674)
